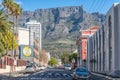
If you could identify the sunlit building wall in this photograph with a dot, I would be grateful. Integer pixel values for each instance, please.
(106, 44)
(23, 35)
(112, 27)
(82, 44)
(35, 37)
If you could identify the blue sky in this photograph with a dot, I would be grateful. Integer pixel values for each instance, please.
(101, 6)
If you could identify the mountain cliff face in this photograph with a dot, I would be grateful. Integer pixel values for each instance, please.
(63, 22)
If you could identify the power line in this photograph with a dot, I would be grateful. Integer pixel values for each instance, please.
(98, 5)
(93, 4)
(102, 5)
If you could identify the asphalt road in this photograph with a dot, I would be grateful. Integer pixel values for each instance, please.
(51, 74)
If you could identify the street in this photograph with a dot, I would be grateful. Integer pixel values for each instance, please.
(51, 74)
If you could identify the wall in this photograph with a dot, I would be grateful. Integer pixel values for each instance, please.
(23, 35)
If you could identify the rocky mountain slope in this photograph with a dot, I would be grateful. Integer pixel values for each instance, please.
(62, 22)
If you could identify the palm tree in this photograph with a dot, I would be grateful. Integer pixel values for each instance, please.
(8, 4)
(7, 41)
(16, 11)
(5, 25)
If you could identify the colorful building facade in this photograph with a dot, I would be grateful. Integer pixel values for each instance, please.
(82, 44)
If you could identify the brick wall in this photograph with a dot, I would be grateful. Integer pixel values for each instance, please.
(7, 60)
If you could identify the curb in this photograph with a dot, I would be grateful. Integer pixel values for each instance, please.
(107, 77)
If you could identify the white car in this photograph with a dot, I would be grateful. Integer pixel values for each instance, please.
(67, 67)
(42, 67)
(30, 69)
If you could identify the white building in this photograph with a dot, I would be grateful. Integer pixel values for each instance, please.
(23, 36)
(105, 54)
(48, 54)
(35, 32)
(35, 36)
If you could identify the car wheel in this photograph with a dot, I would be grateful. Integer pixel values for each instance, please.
(73, 79)
(88, 79)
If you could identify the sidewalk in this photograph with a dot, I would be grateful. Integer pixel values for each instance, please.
(12, 74)
(105, 76)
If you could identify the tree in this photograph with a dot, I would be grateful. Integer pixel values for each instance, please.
(15, 10)
(43, 57)
(73, 56)
(2, 49)
(8, 5)
(7, 41)
(64, 58)
(52, 61)
(5, 26)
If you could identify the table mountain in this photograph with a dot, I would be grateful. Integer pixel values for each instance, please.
(61, 25)
(62, 22)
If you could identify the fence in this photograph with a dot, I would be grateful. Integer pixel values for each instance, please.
(7, 60)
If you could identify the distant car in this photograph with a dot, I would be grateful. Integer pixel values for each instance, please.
(37, 67)
(61, 67)
(42, 67)
(49, 66)
(30, 68)
(67, 67)
(81, 73)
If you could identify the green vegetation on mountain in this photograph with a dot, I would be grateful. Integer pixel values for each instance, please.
(60, 26)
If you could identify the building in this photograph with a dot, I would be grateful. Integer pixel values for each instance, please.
(25, 49)
(82, 44)
(35, 35)
(105, 54)
(36, 51)
(23, 35)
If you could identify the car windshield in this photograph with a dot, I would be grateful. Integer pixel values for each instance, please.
(81, 70)
(67, 65)
(28, 66)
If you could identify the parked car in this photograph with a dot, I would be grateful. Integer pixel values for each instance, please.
(81, 73)
(67, 67)
(49, 67)
(37, 67)
(42, 67)
(30, 68)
